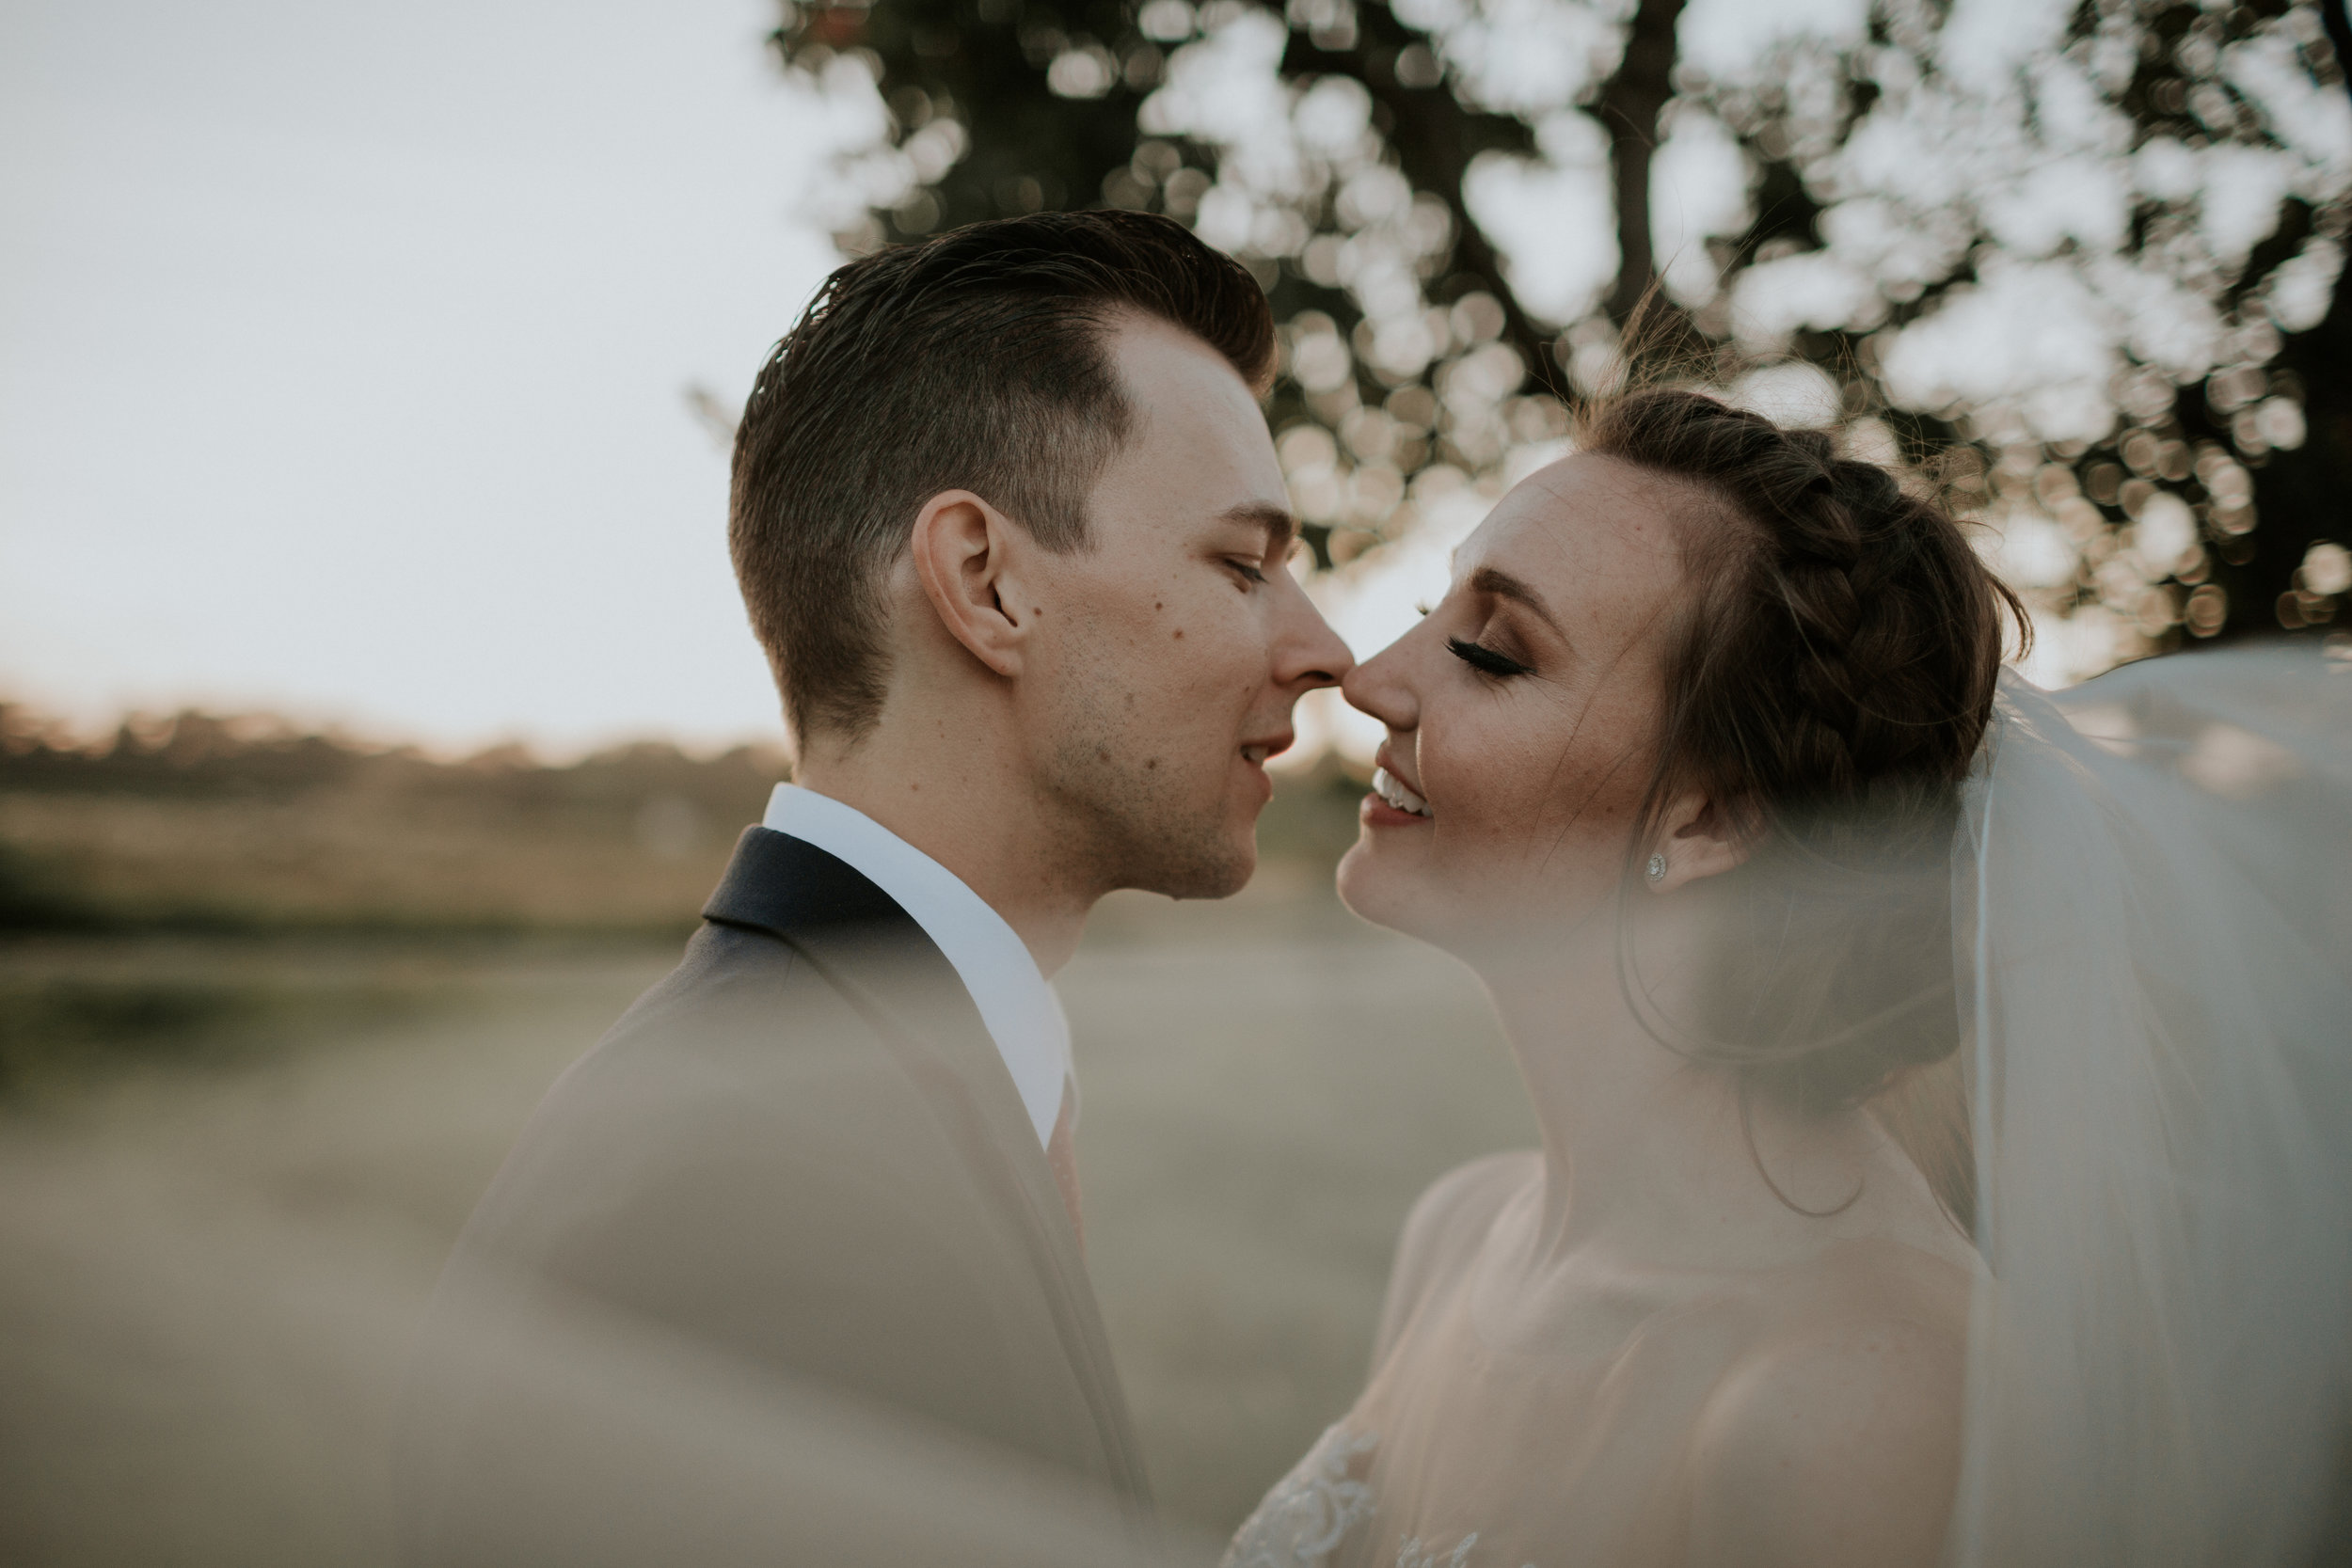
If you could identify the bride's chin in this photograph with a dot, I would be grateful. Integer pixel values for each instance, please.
(1375, 893)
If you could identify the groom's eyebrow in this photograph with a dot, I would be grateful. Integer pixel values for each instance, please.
(1279, 526)
(1502, 585)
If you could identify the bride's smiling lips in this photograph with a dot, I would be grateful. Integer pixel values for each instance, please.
(1392, 803)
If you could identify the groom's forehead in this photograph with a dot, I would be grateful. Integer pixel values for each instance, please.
(1181, 468)
(1161, 365)
(1184, 401)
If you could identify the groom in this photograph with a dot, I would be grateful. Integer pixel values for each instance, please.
(1010, 529)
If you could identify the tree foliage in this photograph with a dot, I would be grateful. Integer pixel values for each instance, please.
(2091, 276)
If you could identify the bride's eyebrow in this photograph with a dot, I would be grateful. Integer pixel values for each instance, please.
(1502, 585)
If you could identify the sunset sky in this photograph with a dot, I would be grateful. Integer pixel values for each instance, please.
(347, 349)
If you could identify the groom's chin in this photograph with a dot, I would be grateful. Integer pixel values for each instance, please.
(1218, 869)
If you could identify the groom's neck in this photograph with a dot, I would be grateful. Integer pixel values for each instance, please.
(957, 798)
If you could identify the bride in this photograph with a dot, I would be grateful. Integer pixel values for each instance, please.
(1939, 1097)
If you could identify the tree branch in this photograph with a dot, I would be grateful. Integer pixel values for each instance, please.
(2338, 28)
(1434, 137)
(1628, 110)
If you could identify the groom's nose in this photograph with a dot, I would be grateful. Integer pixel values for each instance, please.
(1307, 652)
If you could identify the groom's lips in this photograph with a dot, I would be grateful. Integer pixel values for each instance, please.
(1256, 753)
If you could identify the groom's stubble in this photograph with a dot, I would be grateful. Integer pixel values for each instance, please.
(1136, 815)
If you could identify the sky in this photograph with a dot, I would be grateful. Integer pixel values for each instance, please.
(346, 358)
(346, 350)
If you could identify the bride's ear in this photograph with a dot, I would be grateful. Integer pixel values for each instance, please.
(1698, 836)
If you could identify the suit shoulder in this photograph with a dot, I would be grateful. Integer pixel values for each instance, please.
(720, 962)
(734, 987)
(745, 1050)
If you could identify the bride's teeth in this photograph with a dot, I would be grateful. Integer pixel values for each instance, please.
(1384, 784)
(1253, 754)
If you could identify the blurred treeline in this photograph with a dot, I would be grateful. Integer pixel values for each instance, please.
(200, 822)
(197, 822)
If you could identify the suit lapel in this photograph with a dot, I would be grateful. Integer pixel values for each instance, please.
(880, 959)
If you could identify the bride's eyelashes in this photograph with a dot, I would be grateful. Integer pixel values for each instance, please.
(1485, 659)
(1478, 655)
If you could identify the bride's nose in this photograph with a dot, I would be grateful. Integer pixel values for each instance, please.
(1381, 687)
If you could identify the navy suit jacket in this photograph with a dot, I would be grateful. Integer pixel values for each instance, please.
(800, 1153)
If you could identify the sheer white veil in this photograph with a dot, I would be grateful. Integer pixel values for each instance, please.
(2152, 902)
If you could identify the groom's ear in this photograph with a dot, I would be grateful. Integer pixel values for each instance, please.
(967, 556)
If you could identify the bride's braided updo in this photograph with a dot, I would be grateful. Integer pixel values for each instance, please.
(1827, 685)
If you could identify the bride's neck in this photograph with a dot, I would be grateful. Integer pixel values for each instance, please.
(1648, 1153)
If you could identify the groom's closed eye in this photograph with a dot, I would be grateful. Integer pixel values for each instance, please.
(1275, 530)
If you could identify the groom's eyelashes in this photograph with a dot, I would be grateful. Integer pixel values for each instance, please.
(1485, 659)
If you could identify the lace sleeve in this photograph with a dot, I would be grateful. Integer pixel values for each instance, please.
(1309, 1510)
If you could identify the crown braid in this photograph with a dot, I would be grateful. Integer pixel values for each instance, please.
(1828, 687)
(1846, 638)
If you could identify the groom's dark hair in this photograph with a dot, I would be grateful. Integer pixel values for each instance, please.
(975, 360)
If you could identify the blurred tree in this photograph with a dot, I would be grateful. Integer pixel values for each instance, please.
(2091, 261)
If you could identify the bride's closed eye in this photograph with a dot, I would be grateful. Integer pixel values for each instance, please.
(1485, 659)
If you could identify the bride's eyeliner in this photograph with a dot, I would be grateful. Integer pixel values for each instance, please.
(1485, 659)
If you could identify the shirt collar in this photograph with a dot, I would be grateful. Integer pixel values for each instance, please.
(1022, 1013)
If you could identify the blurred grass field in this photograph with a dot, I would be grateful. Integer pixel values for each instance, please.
(236, 1143)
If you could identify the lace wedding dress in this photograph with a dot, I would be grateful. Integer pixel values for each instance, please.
(1322, 1505)
(1326, 1512)
(2153, 946)
(1311, 1510)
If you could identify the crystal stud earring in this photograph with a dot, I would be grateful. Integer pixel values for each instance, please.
(1657, 867)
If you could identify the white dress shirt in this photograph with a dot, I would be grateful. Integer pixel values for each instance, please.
(1023, 1014)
